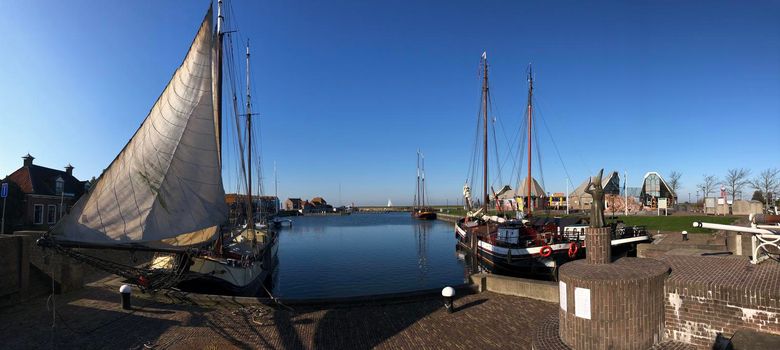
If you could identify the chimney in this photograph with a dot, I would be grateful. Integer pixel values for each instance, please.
(69, 169)
(28, 159)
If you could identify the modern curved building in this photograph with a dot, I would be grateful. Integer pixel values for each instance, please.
(654, 188)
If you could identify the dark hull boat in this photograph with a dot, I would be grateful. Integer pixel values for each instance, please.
(530, 246)
(541, 254)
(420, 210)
(512, 247)
(424, 214)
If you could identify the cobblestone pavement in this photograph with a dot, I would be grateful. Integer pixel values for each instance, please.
(91, 319)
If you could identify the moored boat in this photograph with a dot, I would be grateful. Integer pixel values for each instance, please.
(164, 192)
(420, 210)
(519, 242)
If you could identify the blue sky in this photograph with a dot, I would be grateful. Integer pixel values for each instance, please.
(349, 90)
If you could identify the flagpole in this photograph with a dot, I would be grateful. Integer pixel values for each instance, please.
(625, 189)
(4, 191)
(2, 223)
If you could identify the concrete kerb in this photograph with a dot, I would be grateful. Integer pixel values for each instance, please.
(533, 289)
(211, 300)
(521, 287)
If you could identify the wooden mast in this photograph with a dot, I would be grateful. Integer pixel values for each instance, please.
(422, 187)
(485, 197)
(417, 194)
(218, 77)
(218, 103)
(530, 120)
(251, 219)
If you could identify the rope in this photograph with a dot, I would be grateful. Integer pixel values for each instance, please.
(276, 300)
(145, 278)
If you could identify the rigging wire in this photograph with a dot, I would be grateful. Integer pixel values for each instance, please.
(521, 154)
(256, 123)
(538, 159)
(476, 151)
(555, 146)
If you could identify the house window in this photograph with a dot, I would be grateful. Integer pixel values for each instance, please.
(38, 214)
(51, 213)
(59, 185)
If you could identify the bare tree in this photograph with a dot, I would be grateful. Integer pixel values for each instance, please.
(707, 185)
(735, 180)
(674, 182)
(768, 183)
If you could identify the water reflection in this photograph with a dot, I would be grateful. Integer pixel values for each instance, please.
(364, 254)
(421, 236)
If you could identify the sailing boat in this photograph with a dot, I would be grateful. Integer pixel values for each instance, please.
(510, 244)
(164, 192)
(526, 244)
(420, 210)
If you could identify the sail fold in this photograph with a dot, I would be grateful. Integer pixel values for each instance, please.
(167, 180)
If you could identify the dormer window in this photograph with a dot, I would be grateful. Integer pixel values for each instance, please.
(59, 185)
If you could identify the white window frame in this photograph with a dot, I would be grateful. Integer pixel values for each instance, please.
(59, 185)
(49, 218)
(35, 209)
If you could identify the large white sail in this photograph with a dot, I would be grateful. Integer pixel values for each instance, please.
(167, 180)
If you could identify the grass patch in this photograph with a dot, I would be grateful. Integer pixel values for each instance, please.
(676, 223)
(653, 223)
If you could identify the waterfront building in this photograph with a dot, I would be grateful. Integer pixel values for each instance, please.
(319, 201)
(47, 193)
(265, 205)
(316, 205)
(557, 201)
(293, 204)
(580, 200)
(654, 188)
(515, 199)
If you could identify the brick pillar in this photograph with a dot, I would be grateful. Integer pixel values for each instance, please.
(617, 306)
(598, 242)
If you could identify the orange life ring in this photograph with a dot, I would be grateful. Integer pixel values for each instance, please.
(545, 251)
(573, 248)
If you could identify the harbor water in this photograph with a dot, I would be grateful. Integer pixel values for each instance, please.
(365, 254)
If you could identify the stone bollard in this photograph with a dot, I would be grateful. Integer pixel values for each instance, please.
(448, 293)
(125, 290)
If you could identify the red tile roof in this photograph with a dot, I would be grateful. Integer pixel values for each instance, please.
(35, 179)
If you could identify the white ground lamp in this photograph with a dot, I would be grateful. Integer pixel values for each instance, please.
(448, 293)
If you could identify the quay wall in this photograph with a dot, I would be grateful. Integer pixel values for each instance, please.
(705, 296)
(14, 269)
(383, 209)
(521, 287)
(448, 217)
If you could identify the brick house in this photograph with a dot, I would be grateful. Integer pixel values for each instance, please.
(293, 204)
(48, 193)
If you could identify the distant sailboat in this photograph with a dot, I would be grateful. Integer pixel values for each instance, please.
(389, 203)
(420, 210)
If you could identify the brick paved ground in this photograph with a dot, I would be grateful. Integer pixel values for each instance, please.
(546, 338)
(91, 319)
